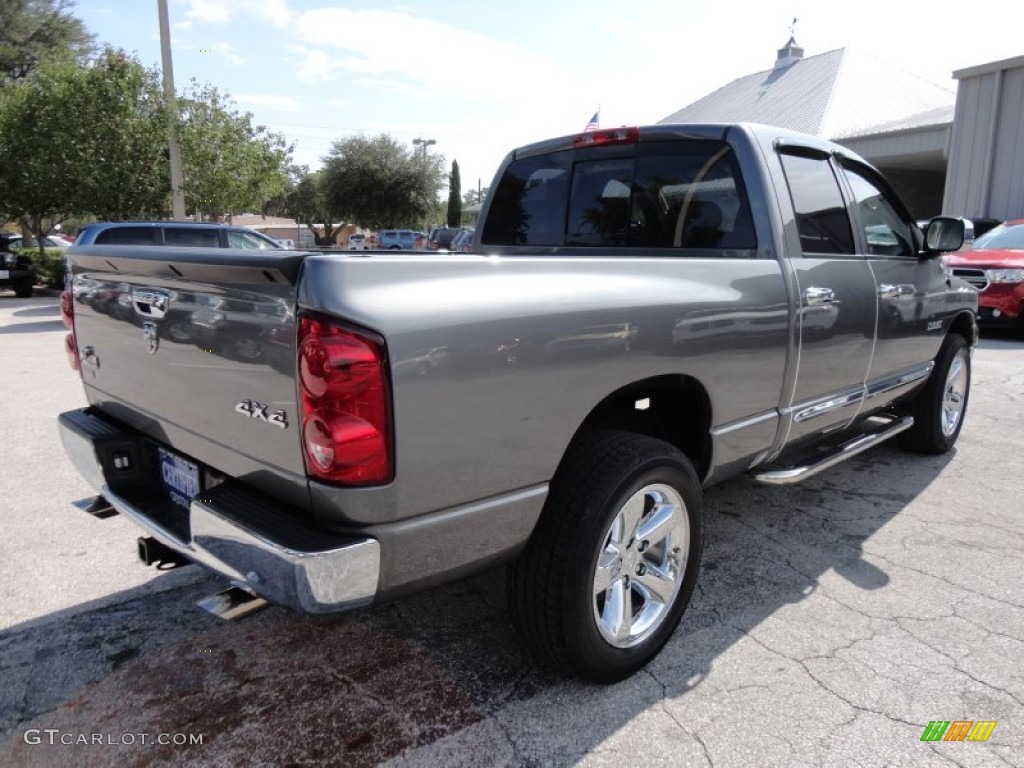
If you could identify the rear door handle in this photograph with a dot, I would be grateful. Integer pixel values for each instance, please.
(816, 297)
(150, 303)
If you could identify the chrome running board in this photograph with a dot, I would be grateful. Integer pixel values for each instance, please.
(832, 456)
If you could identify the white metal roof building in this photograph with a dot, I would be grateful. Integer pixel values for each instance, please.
(898, 121)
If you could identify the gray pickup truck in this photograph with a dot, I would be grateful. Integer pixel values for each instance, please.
(647, 311)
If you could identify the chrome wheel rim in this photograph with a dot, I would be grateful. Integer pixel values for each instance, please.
(955, 394)
(641, 565)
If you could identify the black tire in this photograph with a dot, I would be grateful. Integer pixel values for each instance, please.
(939, 409)
(553, 586)
(23, 289)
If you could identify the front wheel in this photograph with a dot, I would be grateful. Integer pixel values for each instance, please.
(939, 409)
(610, 568)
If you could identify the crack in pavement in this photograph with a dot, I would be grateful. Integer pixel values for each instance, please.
(822, 685)
(944, 580)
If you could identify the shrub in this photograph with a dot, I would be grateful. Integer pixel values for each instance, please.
(49, 267)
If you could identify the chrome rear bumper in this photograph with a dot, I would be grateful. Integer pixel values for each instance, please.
(232, 531)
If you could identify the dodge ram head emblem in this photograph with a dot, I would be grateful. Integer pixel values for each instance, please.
(258, 411)
(151, 335)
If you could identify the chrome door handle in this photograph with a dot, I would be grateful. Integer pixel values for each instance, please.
(816, 297)
(150, 303)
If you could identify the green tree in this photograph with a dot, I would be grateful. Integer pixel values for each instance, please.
(304, 200)
(454, 196)
(472, 196)
(82, 139)
(377, 182)
(230, 165)
(33, 31)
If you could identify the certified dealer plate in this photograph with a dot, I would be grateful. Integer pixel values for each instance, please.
(180, 478)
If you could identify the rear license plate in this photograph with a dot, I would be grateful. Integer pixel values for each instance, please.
(4, 274)
(180, 477)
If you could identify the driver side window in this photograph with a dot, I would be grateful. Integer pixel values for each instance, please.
(887, 232)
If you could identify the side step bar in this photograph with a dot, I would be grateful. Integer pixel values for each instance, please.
(833, 456)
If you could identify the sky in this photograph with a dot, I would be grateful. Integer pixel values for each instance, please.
(481, 78)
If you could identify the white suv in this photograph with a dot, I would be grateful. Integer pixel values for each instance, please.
(357, 242)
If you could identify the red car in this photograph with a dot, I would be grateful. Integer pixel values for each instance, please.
(995, 266)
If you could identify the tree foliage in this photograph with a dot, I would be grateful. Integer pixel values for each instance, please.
(472, 196)
(33, 31)
(230, 165)
(91, 139)
(304, 200)
(80, 139)
(454, 196)
(377, 182)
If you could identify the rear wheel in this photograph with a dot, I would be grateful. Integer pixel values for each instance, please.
(940, 407)
(610, 568)
(23, 290)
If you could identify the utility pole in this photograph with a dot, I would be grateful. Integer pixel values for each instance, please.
(423, 144)
(174, 150)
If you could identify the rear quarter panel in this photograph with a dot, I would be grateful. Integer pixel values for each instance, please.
(496, 362)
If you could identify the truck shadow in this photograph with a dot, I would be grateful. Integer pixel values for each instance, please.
(364, 687)
(37, 326)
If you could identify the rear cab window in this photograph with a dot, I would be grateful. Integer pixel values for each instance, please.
(676, 197)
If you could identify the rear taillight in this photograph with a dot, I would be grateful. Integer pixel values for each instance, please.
(67, 314)
(608, 136)
(346, 429)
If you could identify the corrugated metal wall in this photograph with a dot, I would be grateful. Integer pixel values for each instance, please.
(985, 176)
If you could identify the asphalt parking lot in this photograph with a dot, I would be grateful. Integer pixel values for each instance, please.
(833, 622)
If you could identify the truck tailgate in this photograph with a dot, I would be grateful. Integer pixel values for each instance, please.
(196, 349)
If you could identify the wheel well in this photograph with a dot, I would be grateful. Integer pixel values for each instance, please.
(672, 408)
(964, 325)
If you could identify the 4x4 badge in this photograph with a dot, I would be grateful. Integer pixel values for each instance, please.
(255, 410)
(151, 335)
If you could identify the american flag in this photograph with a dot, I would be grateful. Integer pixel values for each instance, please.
(593, 124)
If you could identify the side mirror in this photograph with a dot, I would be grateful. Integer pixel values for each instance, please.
(944, 233)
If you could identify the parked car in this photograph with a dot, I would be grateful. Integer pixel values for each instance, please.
(441, 238)
(397, 239)
(356, 242)
(188, 234)
(50, 241)
(463, 241)
(15, 270)
(995, 266)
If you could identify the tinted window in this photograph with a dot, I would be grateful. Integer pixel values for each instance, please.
(820, 212)
(192, 238)
(529, 205)
(690, 194)
(887, 232)
(599, 203)
(128, 236)
(673, 194)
